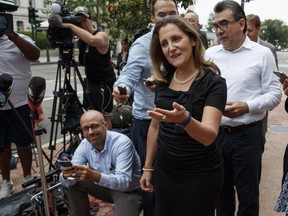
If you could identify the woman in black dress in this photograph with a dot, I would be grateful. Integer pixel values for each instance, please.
(190, 99)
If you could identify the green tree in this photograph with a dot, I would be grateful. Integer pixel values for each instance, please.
(275, 32)
(130, 16)
(210, 22)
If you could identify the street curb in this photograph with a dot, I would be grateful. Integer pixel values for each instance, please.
(44, 63)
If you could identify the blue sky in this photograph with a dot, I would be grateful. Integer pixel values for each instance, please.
(266, 9)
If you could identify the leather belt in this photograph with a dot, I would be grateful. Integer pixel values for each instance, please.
(229, 129)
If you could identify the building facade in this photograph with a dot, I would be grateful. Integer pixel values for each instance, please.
(21, 18)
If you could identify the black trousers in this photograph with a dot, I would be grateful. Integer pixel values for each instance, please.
(242, 155)
(139, 137)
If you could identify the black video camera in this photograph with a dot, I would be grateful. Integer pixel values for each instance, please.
(57, 36)
(6, 19)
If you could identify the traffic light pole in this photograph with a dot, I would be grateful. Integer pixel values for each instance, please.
(33, 32)
(32, 14)
(243, 2)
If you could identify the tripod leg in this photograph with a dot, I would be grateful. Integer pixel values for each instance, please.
(61, 97)
(56, 93)
(56, 116)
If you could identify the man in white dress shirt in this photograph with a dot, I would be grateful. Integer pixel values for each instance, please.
(252, 90)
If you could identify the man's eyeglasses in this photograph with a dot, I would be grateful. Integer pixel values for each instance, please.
(93, 127)
(222, 26)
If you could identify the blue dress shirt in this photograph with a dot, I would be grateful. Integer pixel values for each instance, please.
(118, 162)
(138, 67)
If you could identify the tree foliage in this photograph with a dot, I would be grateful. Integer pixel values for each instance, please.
(130, 15)
(275, 32)
(210, 22)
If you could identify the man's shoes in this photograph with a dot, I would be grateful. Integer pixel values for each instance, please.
(6, 189)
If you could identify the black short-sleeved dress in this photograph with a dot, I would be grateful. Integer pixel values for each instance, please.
(188, 175)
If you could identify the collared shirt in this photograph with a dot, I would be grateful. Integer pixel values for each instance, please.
(249, 78)
(118, 162)
(138, 67)
(13, 62)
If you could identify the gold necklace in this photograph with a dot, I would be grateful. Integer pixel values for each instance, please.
(192, 77)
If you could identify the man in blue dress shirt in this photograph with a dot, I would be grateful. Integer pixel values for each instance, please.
(106, 166)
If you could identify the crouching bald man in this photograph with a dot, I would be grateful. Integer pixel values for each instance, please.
(106, 166)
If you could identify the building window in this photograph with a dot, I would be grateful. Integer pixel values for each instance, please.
(20, 26)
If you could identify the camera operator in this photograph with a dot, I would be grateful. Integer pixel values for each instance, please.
(16, 52)
(94, 54)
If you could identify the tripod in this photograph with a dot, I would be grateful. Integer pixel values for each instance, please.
(66, 107)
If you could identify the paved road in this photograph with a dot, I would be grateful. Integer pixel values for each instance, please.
(52, 71)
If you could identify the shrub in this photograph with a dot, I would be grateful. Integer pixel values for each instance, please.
(40, 38)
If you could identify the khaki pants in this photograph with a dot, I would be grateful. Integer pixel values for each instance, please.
(126, 203)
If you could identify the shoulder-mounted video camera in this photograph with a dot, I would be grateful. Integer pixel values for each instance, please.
(57, 36)
(6, 19)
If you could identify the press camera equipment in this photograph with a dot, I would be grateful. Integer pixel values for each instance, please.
(6, 19)
(66, 108)
(60, 37)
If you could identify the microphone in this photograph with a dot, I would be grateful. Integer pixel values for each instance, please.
(55, 7)
(54, 20)
(6, 85)
(36, 92)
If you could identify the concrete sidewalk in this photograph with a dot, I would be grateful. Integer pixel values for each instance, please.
(272, 163)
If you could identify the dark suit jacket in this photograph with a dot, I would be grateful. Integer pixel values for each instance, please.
(203, 37)
(272, 48)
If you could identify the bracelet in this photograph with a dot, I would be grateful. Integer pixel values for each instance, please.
(151, 169)
(187, 120)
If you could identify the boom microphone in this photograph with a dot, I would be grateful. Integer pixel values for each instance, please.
(55, 20)
(36, 92)
(6, 85)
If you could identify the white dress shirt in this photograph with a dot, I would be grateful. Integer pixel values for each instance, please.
(249, 78)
